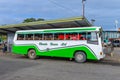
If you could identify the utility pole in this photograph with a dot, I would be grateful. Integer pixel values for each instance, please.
(116, 24)
(83, 8)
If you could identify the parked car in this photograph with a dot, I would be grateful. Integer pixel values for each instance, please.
(116, 43)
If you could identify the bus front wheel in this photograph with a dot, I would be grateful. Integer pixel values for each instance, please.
(32, 54)
(80, 57)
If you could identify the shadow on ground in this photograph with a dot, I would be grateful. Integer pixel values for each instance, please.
(104, 61)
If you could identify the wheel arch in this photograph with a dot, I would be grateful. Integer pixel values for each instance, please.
(31, 49)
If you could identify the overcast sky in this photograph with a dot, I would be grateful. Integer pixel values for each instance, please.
(105, 12)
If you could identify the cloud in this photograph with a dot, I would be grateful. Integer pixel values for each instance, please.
(32, 8)
(104, 12)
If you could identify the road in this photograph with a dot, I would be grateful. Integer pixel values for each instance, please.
(21, 68)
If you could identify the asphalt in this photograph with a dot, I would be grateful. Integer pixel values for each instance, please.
(17, 67)
(115, 57)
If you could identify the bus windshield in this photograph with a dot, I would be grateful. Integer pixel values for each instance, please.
(92, 38)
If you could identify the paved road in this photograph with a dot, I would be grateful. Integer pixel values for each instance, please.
(21, 68)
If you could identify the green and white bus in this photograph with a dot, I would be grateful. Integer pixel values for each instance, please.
(78, 43)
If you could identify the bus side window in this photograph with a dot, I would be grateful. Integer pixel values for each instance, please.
(73, 36)
(45, 37)
(48, 36)
(55, 36)
(37, 36)
(67, 36)
(40, 36)
(61, 36)
(20, 37)
(88, 36)
(82, 36)
(29, 37)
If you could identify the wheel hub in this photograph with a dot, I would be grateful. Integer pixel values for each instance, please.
(80, 57)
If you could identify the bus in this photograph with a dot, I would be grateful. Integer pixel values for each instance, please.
(76, 43)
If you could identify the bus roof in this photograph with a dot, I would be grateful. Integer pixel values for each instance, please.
(60, 30)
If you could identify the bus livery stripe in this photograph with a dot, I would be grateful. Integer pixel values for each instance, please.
(23, 49)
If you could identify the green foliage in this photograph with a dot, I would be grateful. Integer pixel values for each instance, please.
(40, 19)
(3, 38)
(32, 20)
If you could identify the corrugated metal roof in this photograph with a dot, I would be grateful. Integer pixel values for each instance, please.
(59, 23)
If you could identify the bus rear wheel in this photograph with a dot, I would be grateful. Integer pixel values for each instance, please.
(32, 54)
(80, 57)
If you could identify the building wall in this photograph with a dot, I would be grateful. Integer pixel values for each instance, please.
(111, 34)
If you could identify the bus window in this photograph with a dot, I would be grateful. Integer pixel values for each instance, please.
(20, 37)
(92, 37)
(88, 36)
(73, 36)
(67, 36)
(29, 37)
(61, 36)
(82, 36)
(37, 36)
(48, 36)
(56, 36)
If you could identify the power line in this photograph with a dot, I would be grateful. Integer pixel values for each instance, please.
(61, 6)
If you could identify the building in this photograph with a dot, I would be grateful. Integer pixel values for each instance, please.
(111, 35)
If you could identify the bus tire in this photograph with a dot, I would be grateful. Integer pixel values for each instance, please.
(80, 57)
(32, 54)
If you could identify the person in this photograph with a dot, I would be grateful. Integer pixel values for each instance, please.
(4, 47)
(74, 37)
(82, 38)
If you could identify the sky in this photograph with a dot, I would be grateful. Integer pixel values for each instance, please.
(104, 12)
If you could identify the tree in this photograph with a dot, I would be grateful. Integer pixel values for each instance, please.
(40, 19)
(32, 20)
(29, 20)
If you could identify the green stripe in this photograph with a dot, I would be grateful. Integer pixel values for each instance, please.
(61, 52)
(71, 30)
(60, 30)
